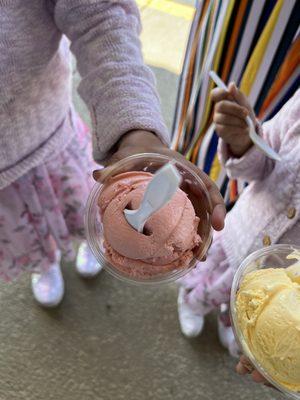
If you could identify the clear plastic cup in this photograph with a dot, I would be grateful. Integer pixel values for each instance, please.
(270, 257)
(191, 184)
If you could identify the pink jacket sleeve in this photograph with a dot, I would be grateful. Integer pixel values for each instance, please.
(254, 165)
(116, 85)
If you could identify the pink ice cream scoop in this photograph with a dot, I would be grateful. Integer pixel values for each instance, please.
(169, 240)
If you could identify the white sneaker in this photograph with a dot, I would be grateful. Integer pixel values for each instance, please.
(227, 339)
(191, 323)
(48, 288)
(86, 264)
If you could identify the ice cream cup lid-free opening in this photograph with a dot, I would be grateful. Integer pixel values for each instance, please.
(265, 315)
(174, 237)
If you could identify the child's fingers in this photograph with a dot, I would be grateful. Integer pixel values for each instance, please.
(229, 120)
(217, 208)
(241, 369)
(231, 132)
(218, 216)
(231, 108)
(257, 377)
(100, 175)
(244, 366)
(218, 94)
(239, 97)
(97, 175)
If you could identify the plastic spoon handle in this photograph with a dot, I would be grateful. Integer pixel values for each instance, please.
(159, 192)
(256, 139)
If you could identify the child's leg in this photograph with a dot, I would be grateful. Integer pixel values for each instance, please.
(86, 264)
(191, 323)
(225, 331)
(204, 289)
(28, 244)
(73, 183)
(48, 286)
(39, 215)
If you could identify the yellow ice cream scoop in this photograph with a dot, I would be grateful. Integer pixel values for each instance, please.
(268, 315)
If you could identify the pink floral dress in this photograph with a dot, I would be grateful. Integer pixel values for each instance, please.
(43, 210)
(208, 285)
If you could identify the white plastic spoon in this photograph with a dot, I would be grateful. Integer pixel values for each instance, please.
(256, 139)
(160, 190)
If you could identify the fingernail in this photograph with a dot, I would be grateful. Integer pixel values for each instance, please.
(96, 174)
(249, 368)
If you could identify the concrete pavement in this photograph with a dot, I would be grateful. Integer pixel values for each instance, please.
(110, 341)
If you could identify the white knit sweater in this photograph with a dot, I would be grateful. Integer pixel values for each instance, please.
(268, 210)
(35, 104)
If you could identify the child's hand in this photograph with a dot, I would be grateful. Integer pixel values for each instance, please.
(137, 142)
(231, 109)
(245, 367)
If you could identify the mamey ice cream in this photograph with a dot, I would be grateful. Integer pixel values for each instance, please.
(268, 312)
(170, 235)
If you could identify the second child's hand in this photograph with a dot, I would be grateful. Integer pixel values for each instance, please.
(230, 119)
(244, 367)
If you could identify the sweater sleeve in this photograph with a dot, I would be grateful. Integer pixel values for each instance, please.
(117, 87)
(255, 165)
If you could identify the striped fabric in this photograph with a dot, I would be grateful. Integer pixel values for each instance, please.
(255, 43)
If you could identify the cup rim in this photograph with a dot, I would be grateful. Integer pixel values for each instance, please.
(98, 255)
(233, 314)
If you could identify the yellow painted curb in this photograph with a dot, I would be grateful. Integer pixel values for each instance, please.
(169, 7)
(164, 39)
